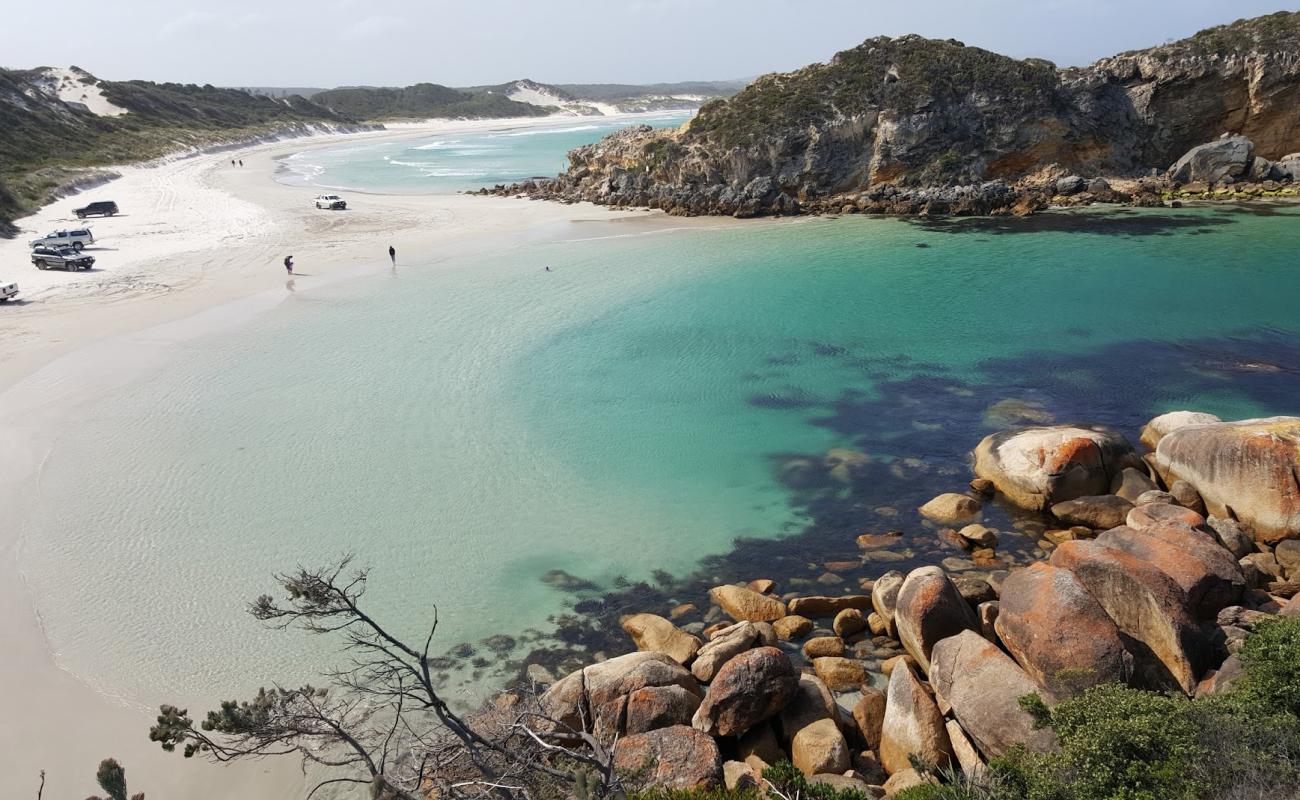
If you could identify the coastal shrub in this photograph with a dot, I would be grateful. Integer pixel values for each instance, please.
(1272, 659)
(789, 782)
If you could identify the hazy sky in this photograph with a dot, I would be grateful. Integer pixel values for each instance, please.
(460, 42)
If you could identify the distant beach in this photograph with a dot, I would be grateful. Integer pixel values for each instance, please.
(195, 235)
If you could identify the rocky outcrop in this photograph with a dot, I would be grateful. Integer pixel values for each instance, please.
(820, 747)
(657, 707)
(1246, 471)
(913, 725)
(597, 695)
(1208, 576)
(724, 646)
(930, 608)
(653, 632)
(1062, 637)
(1145, 603)
(1227, 159)
(749, 688)
(982, 687)
(919, 126)
(674, 758)
(747, 605)
(1037, 468)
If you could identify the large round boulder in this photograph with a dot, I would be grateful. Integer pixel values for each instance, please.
(597, 695)
(679, 757)
(1165, 424)
(1209, 577)
(981, 686)
(930, 608)
(820, 747)
(657, 707)
(749, 688)
(1248, 471)
(1058, 633)
(1145, 603)
(913, 725)
(1036, 468)
(1214, 162)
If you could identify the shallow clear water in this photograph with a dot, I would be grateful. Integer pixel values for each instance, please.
(455, 162)
(465, 431)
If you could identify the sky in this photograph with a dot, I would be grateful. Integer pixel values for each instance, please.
(325, 43)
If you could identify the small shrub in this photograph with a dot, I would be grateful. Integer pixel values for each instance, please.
(1272, 659)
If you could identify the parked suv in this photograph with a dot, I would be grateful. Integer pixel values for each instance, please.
(61, 258)
(103, 208)
(75, 239)
(331, 201)
(8, 291)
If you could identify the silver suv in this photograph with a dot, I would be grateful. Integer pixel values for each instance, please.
(76, 239)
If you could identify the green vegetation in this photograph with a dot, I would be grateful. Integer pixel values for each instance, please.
(422, 101)
(784, 778)
(111, 777)
(1118, 743)
(908, 74)
(1274, 33)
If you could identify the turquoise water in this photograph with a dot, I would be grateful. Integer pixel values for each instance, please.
(455, 162)
(465, 431)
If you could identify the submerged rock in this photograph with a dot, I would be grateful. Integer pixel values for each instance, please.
(951, 509)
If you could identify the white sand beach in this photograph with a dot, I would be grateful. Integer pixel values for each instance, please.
(198, 246)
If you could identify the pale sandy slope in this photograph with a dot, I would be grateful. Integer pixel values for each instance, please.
(197, 247)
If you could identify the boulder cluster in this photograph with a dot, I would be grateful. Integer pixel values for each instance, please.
(1160, 565)
(1231, 166)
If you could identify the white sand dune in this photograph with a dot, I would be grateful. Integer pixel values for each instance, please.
(73, 86)
(198, 245)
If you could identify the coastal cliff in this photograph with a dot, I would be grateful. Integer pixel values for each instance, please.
(913, 125)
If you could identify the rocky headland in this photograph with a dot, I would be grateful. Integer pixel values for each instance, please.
(919, 126)
(1153, 564)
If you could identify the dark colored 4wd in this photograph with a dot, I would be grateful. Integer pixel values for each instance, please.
(104, 208)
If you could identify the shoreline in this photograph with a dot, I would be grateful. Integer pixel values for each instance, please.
(205, 242)
(205, 304)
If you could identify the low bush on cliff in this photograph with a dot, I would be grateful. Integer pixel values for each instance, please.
(1118, 743)
(908, 75)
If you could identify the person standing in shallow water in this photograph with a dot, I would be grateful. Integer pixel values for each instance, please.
(392, 254)
(288, 264)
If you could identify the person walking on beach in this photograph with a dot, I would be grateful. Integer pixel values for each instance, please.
(288, 264)
(392, 254)
(241, 162)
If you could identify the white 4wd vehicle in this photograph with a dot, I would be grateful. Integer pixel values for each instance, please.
(76, 239)
(8, 291)
(331, 201)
